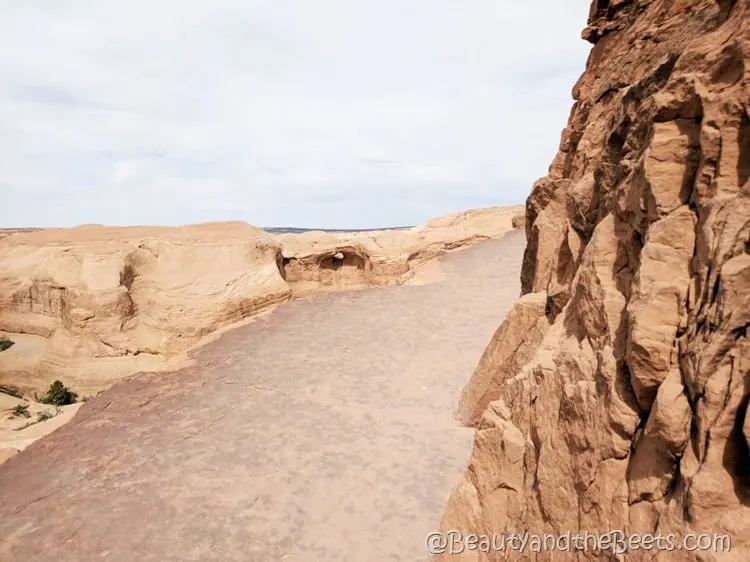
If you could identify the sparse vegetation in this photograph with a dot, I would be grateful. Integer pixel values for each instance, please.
(20, 411)
(59, 395)
(11, 392)
(44, 415)
(40, 417)
(5, 343)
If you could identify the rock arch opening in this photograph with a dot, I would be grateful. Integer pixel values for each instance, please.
(335, 269)
(346, 267)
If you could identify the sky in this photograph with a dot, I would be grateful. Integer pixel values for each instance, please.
(330, 114)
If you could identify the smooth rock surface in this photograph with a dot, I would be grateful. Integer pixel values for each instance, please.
(322, 432)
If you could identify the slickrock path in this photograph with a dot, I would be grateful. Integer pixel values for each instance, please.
(323, 432)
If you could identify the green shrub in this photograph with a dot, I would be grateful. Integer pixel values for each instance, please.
(59, 395)
(5, 343)
(20, 411)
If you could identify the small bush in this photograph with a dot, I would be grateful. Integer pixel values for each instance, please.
(5, 343)
(44, 416)
(59, 395)
(20, 411)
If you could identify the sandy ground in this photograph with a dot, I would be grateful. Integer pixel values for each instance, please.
(322, 432)
(18, 432)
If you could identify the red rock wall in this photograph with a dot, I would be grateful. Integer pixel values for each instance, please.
(631, 412)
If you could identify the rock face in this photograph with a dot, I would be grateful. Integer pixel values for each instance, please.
(88, 305)
(92, 304)
(614, 396)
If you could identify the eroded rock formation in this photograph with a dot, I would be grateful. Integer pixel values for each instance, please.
(92, 304)
(615, 394)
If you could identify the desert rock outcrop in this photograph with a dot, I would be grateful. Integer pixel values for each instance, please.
(615, 394)
(92, 304)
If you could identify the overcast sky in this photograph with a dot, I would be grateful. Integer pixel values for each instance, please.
(325, 113)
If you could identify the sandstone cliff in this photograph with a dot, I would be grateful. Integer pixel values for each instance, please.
(92, 304)
(614, 396)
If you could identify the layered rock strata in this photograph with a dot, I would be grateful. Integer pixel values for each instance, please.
(92, 304)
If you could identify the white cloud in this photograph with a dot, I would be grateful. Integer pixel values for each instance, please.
(341, 113)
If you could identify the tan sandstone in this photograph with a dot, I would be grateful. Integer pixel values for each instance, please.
(91, 305)
(614, 395)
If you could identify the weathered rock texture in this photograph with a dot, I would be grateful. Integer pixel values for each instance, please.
(615, 394)
(315, 260)
(92, 304)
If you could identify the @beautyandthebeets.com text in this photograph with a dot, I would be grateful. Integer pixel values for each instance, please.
(615, 542)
